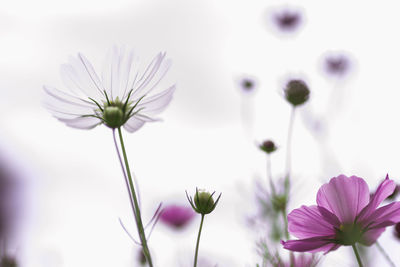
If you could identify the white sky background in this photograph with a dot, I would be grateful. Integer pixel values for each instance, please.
(79, 192)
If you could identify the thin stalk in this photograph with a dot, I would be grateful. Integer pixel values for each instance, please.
(289, 149)
(388, 259)
(138, 217)
(198, 241)
(287, 175)
(124, 172)
(357, 255)
(269, 175)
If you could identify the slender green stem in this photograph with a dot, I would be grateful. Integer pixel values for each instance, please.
(357, 255)
(198, 241)
(137, 214)
(387, 257)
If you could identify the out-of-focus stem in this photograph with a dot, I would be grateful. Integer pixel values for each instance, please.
(137, 214)
(388, 259)
(289, 150)
(269, 174)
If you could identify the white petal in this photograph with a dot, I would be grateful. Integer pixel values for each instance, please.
(115, 72)
(154, 72)
(125, 74)
(84, 76)
(146, 117)
(82, 122)
(91, 72)
(133, 124)
(157, 103)
(59, 101)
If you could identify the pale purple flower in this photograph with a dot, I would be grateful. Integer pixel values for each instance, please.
(345, 214)
(176, 216)
(286, 19)
(247, 84)
(300, 260)
(122, 96)
(336, 64)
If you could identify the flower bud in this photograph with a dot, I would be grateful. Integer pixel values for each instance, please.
(113, 116)
(268, 146)
(296, 92)
(203, 202)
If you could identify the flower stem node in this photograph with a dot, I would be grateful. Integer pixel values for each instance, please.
(268, 146)
(296, 92)
(203, 201)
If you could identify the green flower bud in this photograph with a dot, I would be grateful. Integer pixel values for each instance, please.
(113, 116)
(268, 146)
(296, 92)
(203, 202)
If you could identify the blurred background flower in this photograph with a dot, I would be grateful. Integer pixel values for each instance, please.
(286, 20)
(177, 216)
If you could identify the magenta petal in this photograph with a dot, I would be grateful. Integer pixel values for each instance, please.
(384, 216)
(370, 236)
(307, 222)
(345, 197)
(384, 190)
(314, 244)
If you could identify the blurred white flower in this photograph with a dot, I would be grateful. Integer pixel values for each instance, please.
(121, 97)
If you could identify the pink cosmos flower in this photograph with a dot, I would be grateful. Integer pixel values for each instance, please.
(345, 214)
(176, 216)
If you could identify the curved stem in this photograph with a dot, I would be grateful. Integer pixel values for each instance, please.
(198, 240)
(357, 255)
(137, 214)
(388, 259)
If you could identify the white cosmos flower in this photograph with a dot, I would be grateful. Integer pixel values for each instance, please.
(121, 97)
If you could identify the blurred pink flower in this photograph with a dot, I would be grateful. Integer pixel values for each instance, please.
(176, 216)
(345, 214)
(121, 97)
(301, 260)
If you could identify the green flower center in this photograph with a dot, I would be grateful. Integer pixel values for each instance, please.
(115, 113)
(349, 234)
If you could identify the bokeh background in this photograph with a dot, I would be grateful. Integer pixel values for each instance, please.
(73, 188)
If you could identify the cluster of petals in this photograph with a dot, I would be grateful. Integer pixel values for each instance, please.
(122, 81)
(345, 214)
